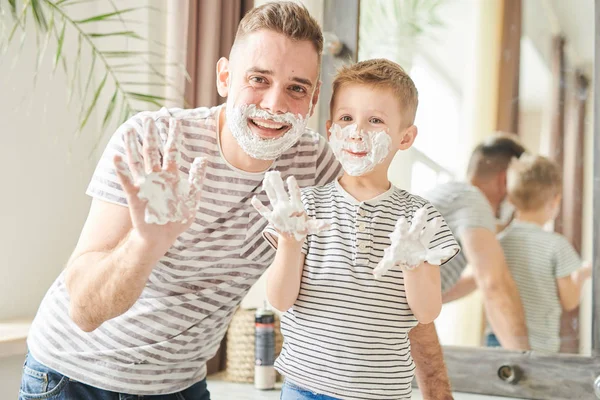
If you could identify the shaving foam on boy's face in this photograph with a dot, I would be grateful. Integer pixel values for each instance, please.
(262, 134)
(359, 152)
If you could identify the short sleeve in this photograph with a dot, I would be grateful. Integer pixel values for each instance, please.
(328, 167)
(565, 257)
(443, 239)
(473, 210)
(271, 235)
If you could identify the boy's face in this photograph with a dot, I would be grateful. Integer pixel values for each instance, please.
(372, 110)
(276, 75)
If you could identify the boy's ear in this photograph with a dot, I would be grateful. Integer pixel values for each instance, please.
(328, 127)
(408, 137)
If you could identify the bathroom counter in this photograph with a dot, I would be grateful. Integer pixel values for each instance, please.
(221, 390)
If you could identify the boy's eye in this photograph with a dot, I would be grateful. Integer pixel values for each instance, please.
(376, 121)
(346, 118)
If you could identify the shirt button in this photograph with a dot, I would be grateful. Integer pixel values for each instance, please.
(362, 246)
(362, 227)
(362, 212)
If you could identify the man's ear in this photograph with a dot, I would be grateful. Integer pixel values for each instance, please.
(408, 137)
(328, 127)
(315, 99)
(223, 76)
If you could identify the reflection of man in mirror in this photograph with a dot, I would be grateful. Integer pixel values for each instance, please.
(470, 209)
(141, 307)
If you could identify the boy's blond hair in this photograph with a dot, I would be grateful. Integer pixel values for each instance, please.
(285, 17)
(381, 73)
(532, 181)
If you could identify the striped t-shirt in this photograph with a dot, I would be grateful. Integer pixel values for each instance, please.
(536, 259)
(161, 344)
(463, 206)
(346, 336)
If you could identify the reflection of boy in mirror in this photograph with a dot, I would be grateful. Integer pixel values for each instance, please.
(470, 209)
(546, 268)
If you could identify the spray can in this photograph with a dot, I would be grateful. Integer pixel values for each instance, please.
(264, 353)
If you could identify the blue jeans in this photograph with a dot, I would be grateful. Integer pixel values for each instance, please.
(492, 341)
(290, 391)
(41, 382)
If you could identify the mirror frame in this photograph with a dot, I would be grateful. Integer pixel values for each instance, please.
(476, 370)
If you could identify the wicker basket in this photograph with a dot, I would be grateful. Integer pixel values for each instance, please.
(239, 365)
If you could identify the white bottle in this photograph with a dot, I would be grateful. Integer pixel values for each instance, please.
(264, 353)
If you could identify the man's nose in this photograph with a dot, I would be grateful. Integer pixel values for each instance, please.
(274, 100)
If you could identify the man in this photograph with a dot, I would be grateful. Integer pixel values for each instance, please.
(470, 210)
(141, 307)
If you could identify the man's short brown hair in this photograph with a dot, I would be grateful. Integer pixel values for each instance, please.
(285, 17)
(494, 155)
(380, 73)
(532, 181)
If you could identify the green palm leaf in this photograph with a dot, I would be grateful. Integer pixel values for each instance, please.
(54, 21)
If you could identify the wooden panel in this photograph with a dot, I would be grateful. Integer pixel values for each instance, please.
(555, 377)
(340, 17)
(596, 191)
(507, 119)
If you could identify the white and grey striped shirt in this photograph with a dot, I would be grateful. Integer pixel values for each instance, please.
(536, 259)
(160, 345)
(347, 334)
(463, 206)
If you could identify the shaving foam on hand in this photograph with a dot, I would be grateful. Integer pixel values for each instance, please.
(168, 198)
(288, 215)
(410, 244)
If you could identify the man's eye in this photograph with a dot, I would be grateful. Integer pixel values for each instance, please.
(257, 79)
(298, 89)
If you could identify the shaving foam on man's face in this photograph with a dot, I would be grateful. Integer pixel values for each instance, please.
(359, 151)
(261, 134)
(271, 83)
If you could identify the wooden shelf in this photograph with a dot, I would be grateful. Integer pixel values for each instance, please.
(13, 337)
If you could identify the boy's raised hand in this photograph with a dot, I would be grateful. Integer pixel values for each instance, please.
(410, 244)
(288, 215)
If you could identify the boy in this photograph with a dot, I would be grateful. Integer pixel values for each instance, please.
(352, 275)
(547, 270)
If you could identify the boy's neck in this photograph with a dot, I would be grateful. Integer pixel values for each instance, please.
(537, 217)
(366, 187)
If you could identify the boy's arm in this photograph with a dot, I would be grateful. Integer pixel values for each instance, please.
(569, 287)
(428, 357)
(463, 287)
(423, 292)
(285, 274)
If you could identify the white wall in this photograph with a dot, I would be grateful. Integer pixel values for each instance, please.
(45, 173)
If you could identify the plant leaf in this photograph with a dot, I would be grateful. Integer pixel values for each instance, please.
(13, 7)
(110, 109)
(130, 34)
(107, 15)
(93, 103)
(60, 41)
(89, 81)
(77, 63)
(38, 14)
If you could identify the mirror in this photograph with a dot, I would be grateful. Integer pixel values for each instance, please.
(515, 66)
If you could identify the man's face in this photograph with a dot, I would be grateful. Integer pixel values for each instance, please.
(274, 73)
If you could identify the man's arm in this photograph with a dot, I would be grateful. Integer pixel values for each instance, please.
(109, 266)
(500, 294)
(428, 357)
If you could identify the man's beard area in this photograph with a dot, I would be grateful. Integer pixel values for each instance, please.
(277, 132)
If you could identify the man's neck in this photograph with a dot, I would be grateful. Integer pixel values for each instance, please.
(234, 154)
